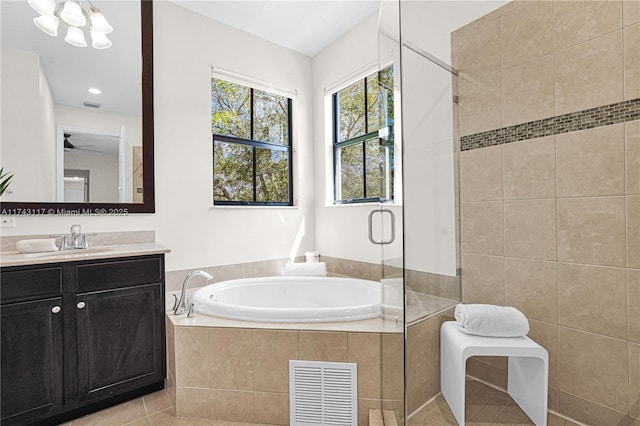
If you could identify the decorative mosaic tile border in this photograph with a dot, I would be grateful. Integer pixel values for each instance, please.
(588, 119)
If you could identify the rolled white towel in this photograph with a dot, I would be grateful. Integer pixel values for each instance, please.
(309, 269)
(37, 245)
(491, 320)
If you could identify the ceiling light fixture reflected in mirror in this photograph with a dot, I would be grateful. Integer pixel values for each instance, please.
(98, 21)
(73, 14)
(43, 7)
(48, 24)
(99, 40)
(95, 91)
(75, 37)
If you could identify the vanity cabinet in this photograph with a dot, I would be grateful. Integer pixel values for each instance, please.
(31, 359)
(80, 336)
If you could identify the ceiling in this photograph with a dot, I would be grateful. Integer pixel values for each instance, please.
(305, 26)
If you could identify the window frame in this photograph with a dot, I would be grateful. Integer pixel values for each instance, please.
(362, 140)
(254, 144)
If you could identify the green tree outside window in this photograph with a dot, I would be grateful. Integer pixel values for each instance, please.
(251, 145)
(363, 139)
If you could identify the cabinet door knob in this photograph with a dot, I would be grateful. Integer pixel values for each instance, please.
(81, 305)
(55, 309)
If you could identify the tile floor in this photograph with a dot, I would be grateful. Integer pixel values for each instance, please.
(151, 410)
(485, 406)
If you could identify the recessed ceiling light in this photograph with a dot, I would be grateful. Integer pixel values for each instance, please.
(95, 91)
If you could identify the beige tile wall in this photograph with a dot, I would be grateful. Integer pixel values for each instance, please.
(423, 360)
(264, 268)
(443, 286)
(535, 59)
(267, 268)
(552, 225)
(242, 374)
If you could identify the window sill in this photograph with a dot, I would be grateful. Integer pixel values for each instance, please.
(255, 207)
(368, 204)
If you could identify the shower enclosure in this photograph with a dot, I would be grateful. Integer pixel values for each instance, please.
(431, 232)
(426, 206)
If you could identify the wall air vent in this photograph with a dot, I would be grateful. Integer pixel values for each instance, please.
(91, 104)
(323, 393)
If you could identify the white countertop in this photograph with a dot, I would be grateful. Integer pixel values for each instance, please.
(14, 258)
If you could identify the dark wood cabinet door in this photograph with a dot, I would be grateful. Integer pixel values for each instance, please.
(32, 355)
(120, 340)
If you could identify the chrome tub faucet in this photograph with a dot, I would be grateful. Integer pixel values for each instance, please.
(180, 305)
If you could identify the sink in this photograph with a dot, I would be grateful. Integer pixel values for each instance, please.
(70, 253)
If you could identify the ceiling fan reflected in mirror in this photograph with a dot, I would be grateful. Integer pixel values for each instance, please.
(68, 146)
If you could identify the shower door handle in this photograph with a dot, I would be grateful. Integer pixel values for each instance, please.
(393, 227)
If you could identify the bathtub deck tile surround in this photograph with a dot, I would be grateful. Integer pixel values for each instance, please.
(323, 346)
(265, 358)
(230, 358)
(272, 350)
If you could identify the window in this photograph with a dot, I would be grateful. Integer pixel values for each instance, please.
(363, 139)
(251, 146)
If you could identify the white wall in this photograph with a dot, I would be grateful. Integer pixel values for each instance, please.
(47, 149)
(186, 45)
(84, 120)
(341, 231)
(96, 121)
(103, 173)
(26, 120)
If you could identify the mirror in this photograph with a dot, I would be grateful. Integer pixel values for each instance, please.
(71, 149)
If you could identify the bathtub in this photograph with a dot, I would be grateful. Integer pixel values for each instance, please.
(290, 299)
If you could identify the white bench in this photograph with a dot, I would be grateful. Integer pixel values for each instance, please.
(528, 369)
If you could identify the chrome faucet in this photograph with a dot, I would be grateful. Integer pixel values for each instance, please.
(77, 240)
(180, 306)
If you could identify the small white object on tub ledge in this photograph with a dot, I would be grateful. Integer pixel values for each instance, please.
(312, 256)
(308, 269)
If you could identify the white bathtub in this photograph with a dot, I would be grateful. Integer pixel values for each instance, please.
(290, 299)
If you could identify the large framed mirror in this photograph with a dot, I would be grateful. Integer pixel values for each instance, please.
(69, 148)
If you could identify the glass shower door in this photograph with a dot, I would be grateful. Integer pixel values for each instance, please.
(388, 218)
(431, 231)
